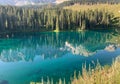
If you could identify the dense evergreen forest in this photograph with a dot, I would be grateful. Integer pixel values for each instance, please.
(88, 2)
(37, 19)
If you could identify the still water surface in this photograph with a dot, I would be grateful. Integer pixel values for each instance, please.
(27, 57)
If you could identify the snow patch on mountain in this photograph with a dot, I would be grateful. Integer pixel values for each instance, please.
(24, 2)
(60, 1)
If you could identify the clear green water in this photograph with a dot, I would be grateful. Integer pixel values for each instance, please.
(27, 57)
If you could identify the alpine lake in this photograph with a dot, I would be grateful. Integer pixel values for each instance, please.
(30, 57)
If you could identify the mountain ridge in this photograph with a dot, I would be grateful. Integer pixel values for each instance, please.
(29, 2)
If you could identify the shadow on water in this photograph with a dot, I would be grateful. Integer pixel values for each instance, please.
(32, 56)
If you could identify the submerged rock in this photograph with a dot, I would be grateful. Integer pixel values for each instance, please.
(4, 82)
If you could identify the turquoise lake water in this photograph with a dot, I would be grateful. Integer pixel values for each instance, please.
(28, 57)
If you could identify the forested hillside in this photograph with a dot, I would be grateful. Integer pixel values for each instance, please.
(88, 14)
(88, 2)
(30, 19)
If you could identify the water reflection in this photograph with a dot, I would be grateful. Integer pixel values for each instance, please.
(33, 56)
(110, 48)
(51, 45)
(78, 50)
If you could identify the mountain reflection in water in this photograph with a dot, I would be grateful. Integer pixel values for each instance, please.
(51, 44)
(31, 56)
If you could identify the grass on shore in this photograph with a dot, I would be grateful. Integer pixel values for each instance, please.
(99, 75)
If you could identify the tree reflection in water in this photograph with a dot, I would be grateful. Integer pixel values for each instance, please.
(49, 45)
(31, 56)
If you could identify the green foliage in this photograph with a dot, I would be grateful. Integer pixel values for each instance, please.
(37, 19)
(88, 2)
